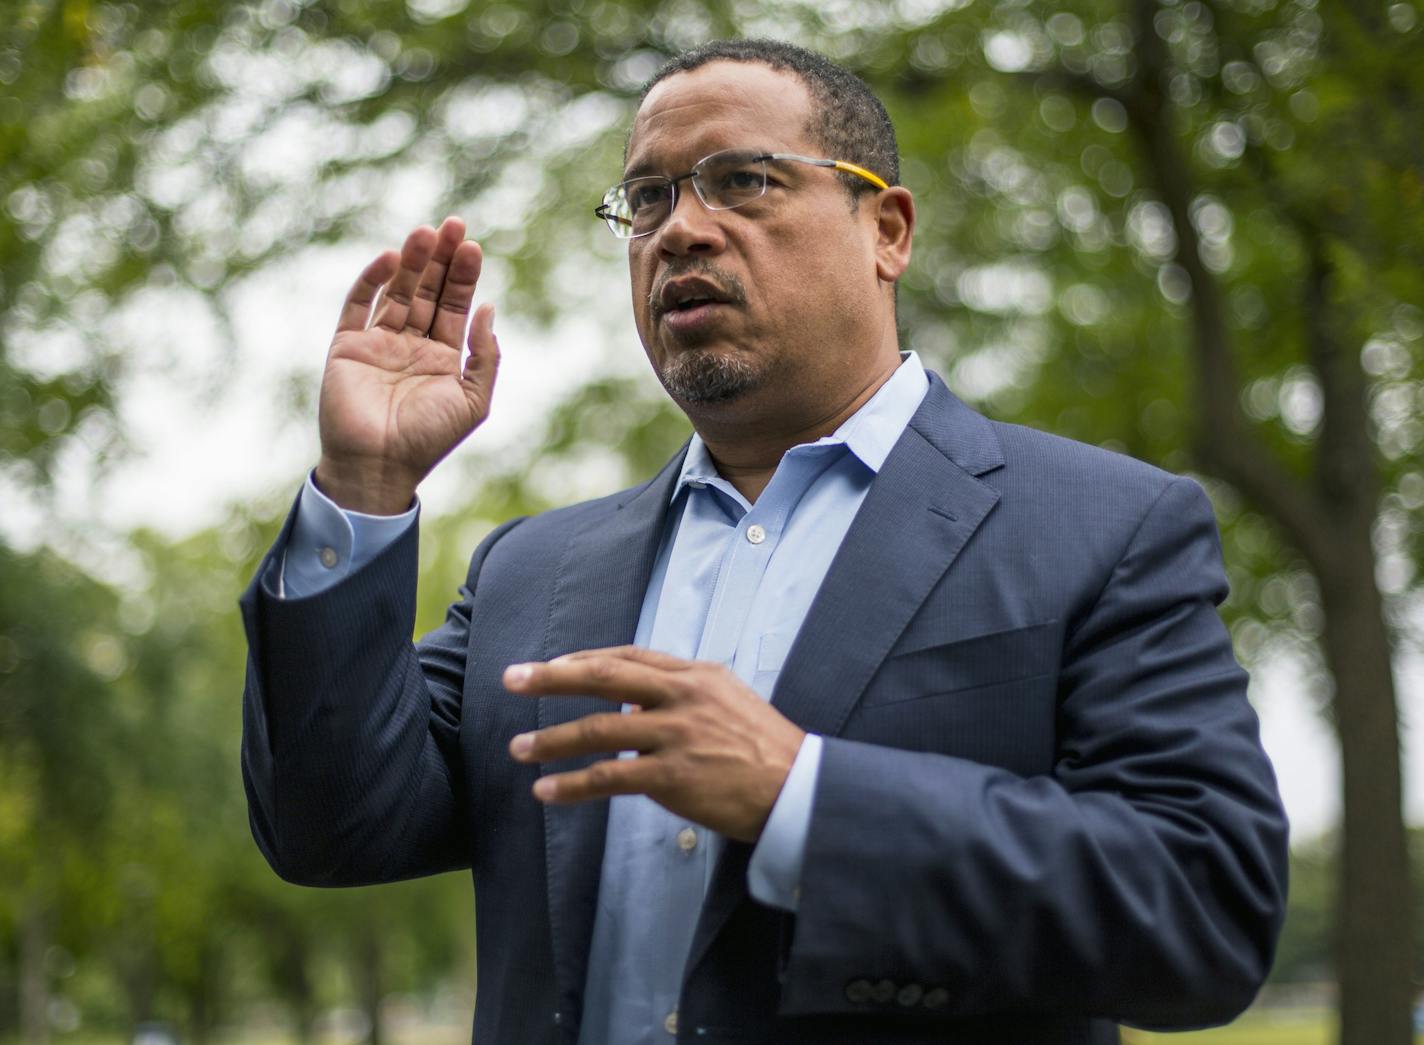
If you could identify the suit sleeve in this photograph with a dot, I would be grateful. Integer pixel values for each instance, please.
(1142, 880)
(350, 752)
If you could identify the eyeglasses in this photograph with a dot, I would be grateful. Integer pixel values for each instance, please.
(722, 181)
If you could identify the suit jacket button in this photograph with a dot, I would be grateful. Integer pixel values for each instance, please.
(858, 992)
(910, 994)
(884, 992)
(936, 998)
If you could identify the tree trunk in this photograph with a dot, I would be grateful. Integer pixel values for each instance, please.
(1374, 931)
(205, 994)
(1329, 521)
(369, 977)
(297, 987)
(1374, 946)
(34, 983)
(136, 971)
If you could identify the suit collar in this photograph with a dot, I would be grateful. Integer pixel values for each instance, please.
(870, 433)
(964, 436)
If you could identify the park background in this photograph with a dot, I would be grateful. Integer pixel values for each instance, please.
(1189, 230)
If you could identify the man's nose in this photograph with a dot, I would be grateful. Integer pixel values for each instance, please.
(691, 228)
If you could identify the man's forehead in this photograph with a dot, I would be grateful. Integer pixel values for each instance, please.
(719, 105)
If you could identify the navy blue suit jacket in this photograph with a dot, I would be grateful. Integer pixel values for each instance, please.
(1042, 807)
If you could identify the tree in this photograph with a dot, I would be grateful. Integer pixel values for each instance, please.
(1188, 229)
(1222, 128)
(50, 811)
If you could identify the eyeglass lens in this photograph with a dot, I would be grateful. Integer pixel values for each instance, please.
(722, 181)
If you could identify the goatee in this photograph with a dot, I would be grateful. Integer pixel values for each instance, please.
(707, 376)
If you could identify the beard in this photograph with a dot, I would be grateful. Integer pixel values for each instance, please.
(707, 376)
(698, 373)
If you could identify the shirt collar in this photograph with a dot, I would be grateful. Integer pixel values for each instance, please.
(869, 433)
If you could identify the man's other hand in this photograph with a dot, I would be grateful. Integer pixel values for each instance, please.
(395, 398)
(709, 749)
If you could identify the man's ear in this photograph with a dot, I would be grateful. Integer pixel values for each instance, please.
(895, 226)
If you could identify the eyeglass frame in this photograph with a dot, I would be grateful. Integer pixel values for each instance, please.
(602, 210)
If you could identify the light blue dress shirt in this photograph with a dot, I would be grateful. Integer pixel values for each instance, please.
(732, 583)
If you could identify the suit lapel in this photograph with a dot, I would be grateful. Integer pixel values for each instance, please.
(922, 508)
(597, 598)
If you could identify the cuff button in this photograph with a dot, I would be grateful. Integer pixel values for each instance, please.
(858, 992)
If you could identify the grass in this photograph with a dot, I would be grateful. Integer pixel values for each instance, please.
(1280, 1027)
(1246, 1031)
(1306, 1027)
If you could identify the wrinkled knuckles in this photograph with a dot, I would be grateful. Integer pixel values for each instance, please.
(602, 670)
(601, 775)
(589, 730)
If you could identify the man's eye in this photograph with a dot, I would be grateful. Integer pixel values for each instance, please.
(742, 180)
(647, 196)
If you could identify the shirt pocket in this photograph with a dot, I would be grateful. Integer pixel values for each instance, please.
(770, 658)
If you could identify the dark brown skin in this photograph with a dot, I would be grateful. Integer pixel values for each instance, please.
(819, 316)
(815, 324)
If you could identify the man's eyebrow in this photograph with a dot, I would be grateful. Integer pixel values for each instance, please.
(646, 167)
(638, 170)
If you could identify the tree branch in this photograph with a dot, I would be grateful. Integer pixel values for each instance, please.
(1224, 440)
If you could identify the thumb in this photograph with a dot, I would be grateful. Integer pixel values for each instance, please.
(482, 363)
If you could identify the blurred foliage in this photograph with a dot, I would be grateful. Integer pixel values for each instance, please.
(177, 147)
(166, 151)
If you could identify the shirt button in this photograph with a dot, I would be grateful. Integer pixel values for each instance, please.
(687, 839)
(670, 1022)
(755, 534)
(936, 998)
(328, 557)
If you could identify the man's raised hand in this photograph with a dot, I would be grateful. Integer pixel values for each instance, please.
(395, 398)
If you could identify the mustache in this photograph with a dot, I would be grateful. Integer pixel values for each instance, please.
(727, 283)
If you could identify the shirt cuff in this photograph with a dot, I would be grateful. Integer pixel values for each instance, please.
(774, 874)
(328, 542)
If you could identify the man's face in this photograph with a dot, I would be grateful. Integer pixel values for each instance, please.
(791, 276)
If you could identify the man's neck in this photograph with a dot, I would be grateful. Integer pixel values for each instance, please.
(747, 453)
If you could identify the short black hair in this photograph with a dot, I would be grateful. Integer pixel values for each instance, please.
(847, 120)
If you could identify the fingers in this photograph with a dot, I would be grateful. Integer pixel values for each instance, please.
(456, 291)
(448, 239)
(621, 776)
(606, 733)
(615, 678)
(636, 654)
(356, 310)
(399, 293)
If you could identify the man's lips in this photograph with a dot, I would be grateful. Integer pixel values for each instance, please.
(686, 320)
(689, 294)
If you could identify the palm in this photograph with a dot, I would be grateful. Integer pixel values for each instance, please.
(395, 397)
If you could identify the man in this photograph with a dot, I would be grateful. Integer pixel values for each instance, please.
(938, 737)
